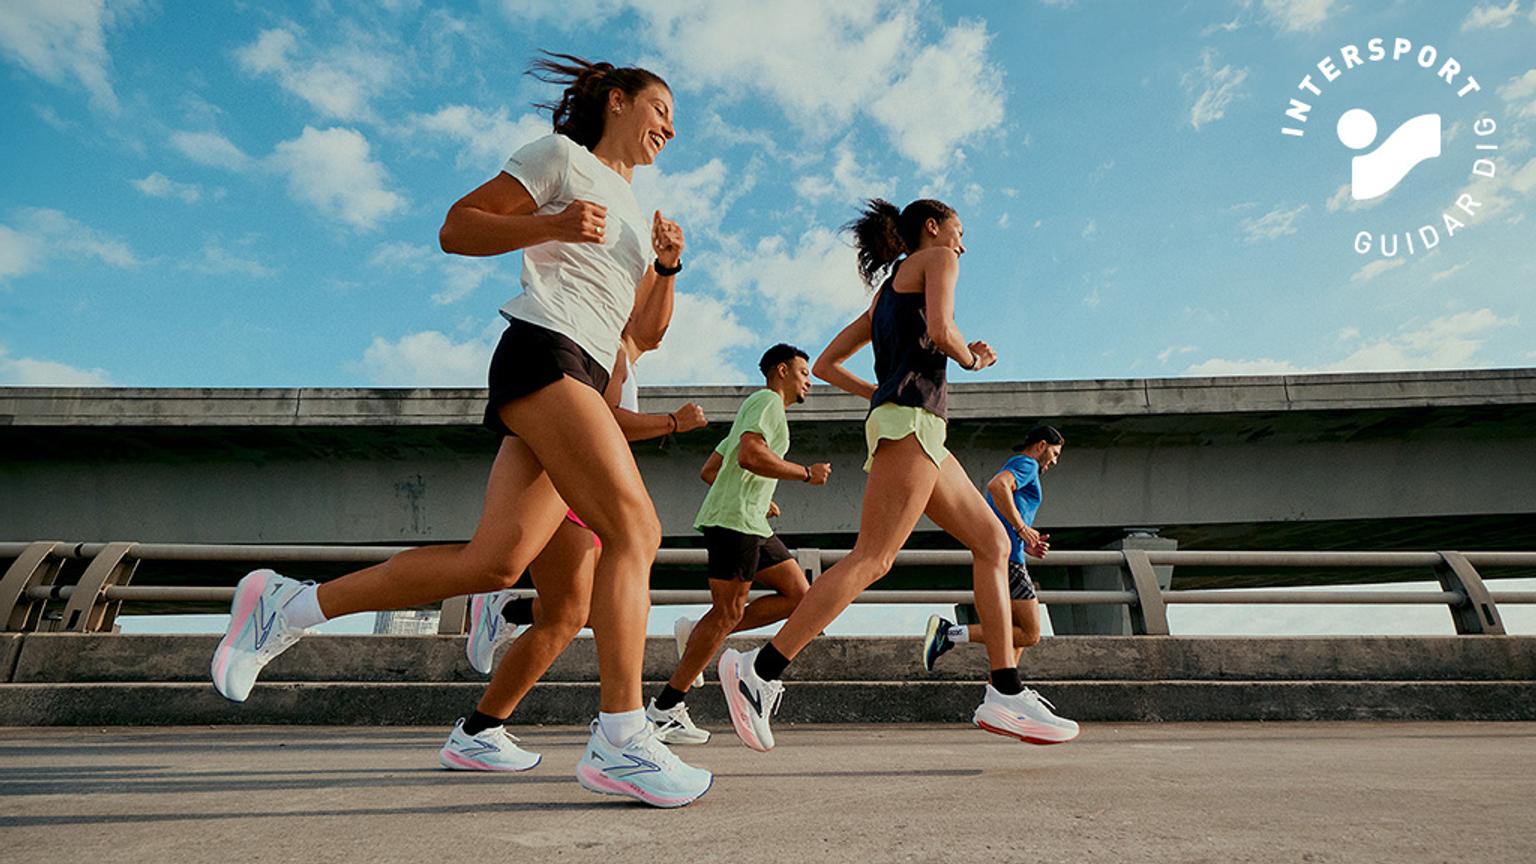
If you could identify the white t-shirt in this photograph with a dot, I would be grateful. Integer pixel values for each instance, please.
(629, 388)
(585, 291)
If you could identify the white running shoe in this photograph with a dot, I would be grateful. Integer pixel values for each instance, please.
(491, 750)
(487, 629)
(643, 769)
(1027, 717)
(751, 699)
(682, 628)
(674, 726)
(258, 632)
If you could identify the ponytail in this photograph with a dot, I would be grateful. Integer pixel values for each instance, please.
(583, 107)
(882, 234)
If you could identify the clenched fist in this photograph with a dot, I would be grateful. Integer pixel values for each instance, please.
(689, 417)
(581, 222)
(666, 240)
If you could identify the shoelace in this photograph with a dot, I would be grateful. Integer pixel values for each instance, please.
(648, 742)
(774, 690)
(1030, 694)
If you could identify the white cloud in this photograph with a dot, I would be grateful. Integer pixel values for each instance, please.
(1520, 93)
(1449, 272)
(822, 64)
(1343, 200)
(64, 41)
(849, 181)
(331, 170)
(1376, 268)
(20, 253)
(960, 92)
(217, 260)
(210, 148)
(1450, 342)
(427, 359)
(40, 234)
(1218, 88)
(158, 185)
(1348, 334)
(32, 372)
(803, 284)
(1276, 223)
(460, 276)
(703, 331)
(485, 138)
(1172, 351)
(696, 199)
(1491, 16)
(338, 83)
(1090, 228)
(1298, 15)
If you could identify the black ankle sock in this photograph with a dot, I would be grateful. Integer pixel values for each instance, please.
(1006, 681)
(476, 723)
(518, 610)
(669, 698)
(770, 664)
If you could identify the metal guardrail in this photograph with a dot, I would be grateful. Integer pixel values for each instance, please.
(93, 601)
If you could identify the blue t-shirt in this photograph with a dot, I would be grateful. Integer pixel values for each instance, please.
(1026, 497)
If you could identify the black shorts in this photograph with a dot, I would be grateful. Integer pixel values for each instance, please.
(1020, 586)
(734, 556)
(530, 358)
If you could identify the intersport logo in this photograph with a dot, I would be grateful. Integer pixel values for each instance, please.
(1378, 165)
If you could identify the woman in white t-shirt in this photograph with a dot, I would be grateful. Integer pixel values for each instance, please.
(565, 201)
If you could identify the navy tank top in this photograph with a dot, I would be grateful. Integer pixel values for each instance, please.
(909, 368)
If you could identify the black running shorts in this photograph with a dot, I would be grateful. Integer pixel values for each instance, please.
(734, 556)
(1020, 586)
(530, 358)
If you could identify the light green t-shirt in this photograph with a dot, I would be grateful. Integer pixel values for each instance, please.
(739, 499)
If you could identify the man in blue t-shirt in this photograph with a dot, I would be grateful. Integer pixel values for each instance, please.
(1015, 494)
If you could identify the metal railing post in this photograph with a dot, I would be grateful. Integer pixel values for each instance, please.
(35, 566)
(454, 619)
(1477, 613)
(1149, 617)
(810, 563)
(88, 610)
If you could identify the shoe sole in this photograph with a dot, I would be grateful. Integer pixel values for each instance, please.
(455, 762)
(929, 634)
(247, 594)
(593, 780)
(730, 682)
(476, 610)
(1027, 739)
(685, 743)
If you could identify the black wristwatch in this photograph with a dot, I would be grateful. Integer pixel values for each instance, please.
(663, 270)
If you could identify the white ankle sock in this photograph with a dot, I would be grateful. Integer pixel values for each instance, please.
(958, 633)
(303, 611)
(620, 727)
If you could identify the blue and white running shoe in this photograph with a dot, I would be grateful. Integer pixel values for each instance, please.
(936, 642)
(487, 629)
(258, 632)
(643, 769)
(491, 750)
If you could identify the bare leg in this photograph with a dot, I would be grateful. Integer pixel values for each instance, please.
(521, 512)
(789, 585)
(900, 481)
(590, 465)
(563, 575)
(1026, 628)
(729, 598)
(958, 508)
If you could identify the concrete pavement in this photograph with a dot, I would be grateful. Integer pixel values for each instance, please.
(1316, 792)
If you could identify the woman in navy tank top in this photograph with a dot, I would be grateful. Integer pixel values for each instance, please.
(916, 252)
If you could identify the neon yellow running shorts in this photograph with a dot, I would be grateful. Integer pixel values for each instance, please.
(897, 422)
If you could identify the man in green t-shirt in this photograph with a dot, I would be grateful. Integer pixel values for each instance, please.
(742, 474)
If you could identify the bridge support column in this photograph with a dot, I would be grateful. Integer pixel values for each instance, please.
(1134, 576)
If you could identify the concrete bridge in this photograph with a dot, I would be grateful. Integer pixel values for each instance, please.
(1441, 460)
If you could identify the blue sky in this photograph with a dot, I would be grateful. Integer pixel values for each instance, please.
(234, 194)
